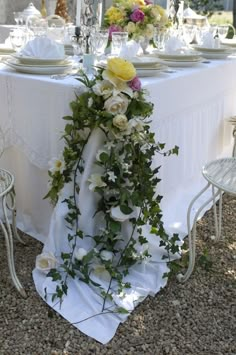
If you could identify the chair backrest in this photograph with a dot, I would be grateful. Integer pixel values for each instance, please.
(2, 141)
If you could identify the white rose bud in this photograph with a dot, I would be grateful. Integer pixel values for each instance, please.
(106, 255)
(121, 122)
(45, 262)
(80, 253)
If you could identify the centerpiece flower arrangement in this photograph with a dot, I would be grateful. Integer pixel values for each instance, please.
(137, 17)
(123, 180)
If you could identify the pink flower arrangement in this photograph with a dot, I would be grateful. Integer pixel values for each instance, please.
(137, 15)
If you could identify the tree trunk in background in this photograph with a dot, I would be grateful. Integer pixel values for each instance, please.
(234, 13)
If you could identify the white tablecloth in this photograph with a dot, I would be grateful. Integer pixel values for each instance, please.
(191, 107)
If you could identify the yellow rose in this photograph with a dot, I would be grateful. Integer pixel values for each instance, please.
(133, 3)
(114, 15)
(121, 69)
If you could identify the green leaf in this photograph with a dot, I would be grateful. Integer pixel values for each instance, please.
(122, 310)
(115, 226)
(126, 209)
(104, 157)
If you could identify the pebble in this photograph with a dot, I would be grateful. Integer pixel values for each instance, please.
(194, 318)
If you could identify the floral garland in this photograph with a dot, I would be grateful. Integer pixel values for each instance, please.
(137, 17)
(115, 104)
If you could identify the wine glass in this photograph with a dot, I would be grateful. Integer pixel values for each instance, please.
(17, 17)
(77, 44)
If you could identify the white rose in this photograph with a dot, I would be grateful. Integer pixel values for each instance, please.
(96, 181)
(45, 262)
(80, 253)
(155, 12)
(130, 28)
(103, 88)
(106, 255)
(119, 216)
(149, 31)
(121, 122)
(116, 104)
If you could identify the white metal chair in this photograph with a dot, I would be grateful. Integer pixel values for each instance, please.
(7, 196)
(221, 177)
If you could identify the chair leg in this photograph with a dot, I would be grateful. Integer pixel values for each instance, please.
(10, 253)
(12, 208)
(220, 218)
(192, 236)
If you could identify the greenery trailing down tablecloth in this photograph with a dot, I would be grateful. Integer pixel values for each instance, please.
(106, 233)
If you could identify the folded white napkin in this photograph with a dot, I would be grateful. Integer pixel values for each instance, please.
(43, 48)
(130, 50)
(173, 45)
(209, 41)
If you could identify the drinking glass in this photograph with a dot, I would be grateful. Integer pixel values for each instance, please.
(18, 39)
(98, 41)
(222, 31)
(36, 25)
(159, 38)
(119, 40)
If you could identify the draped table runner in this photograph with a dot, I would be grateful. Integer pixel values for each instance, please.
(191, 106)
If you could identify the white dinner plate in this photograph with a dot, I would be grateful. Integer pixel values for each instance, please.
(154, 71)
(210, 55)
(38, 61)
(4, 49)
(142, 62)
(181, 64)
(34, 69)
(202, 49)
(62, 64)
(192, 56)
(229, 42)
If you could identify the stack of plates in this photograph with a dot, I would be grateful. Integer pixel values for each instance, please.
(5, 50)
(229, 42)
(147, 66)
(41, 66)
(188, 59)
(214, 53)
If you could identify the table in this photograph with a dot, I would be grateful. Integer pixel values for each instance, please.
(191, 107)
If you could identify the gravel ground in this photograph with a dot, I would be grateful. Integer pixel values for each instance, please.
(198, 317)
